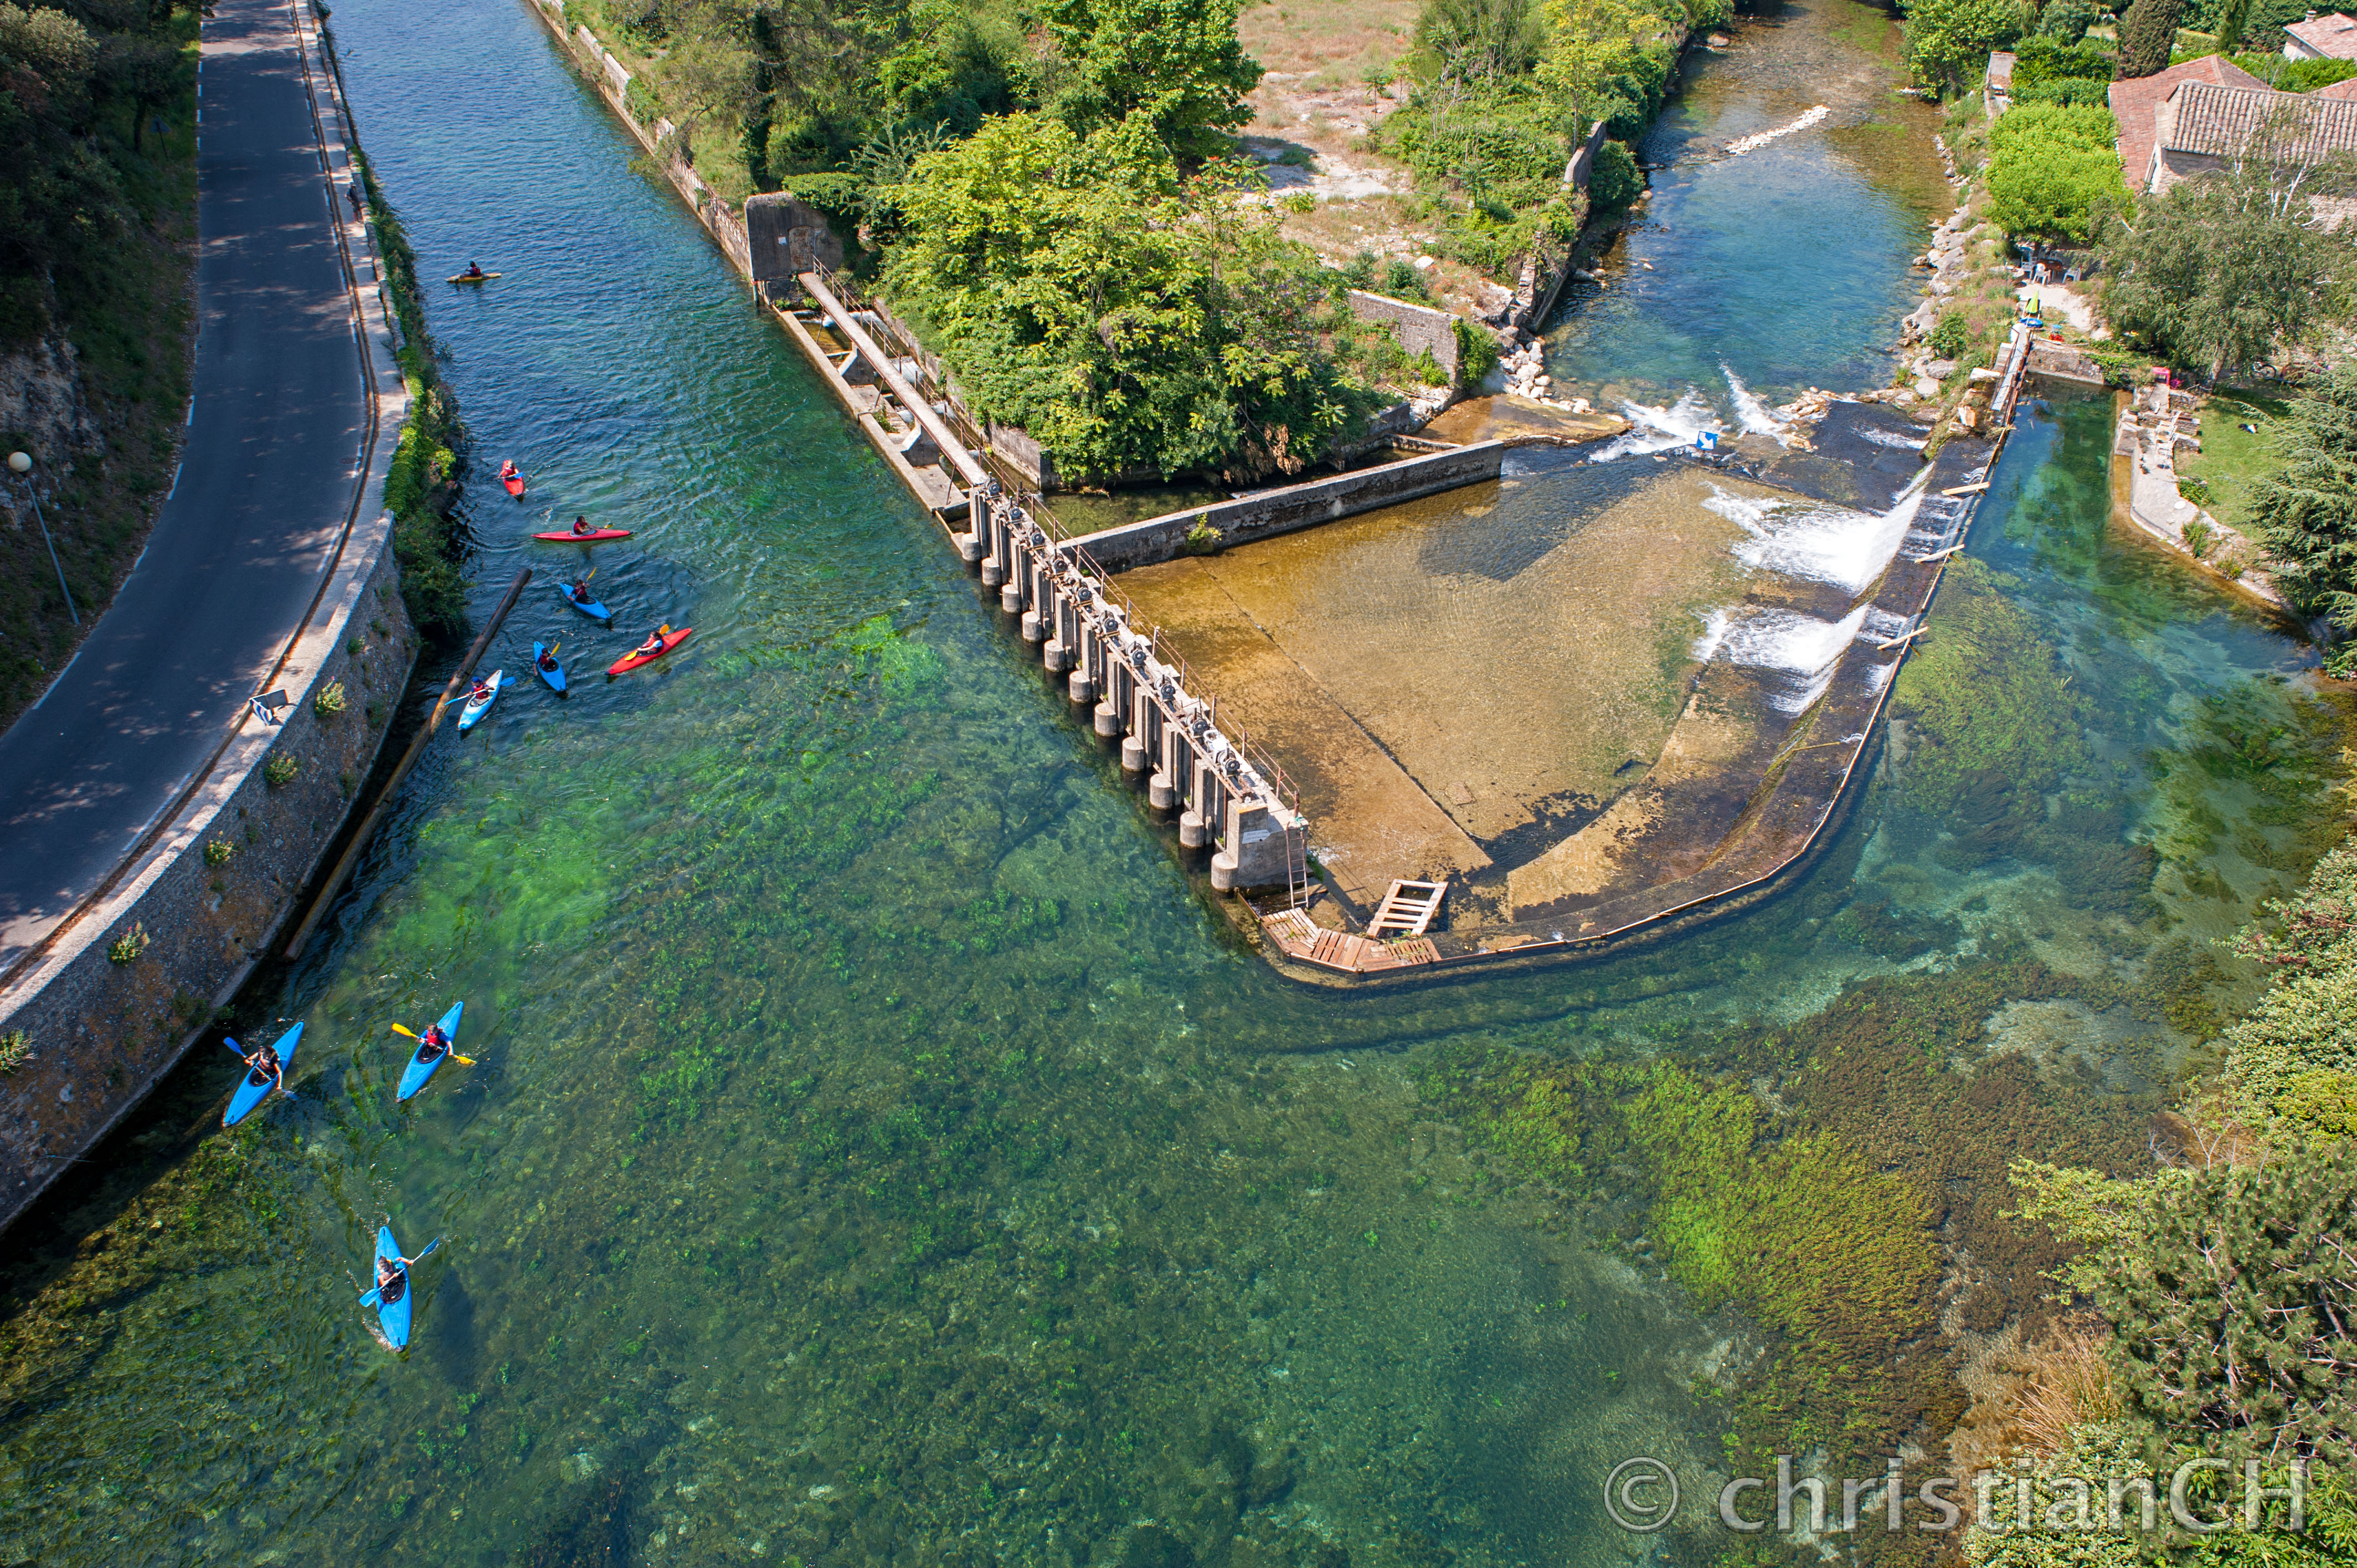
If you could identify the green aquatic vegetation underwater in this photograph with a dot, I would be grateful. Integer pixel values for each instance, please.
(1827, 1253)
(1987, 700)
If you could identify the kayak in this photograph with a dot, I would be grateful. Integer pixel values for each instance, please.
(477, 706)
(473, 277)
(414, 1076)
(514, 482)
(393, 1317)
(635, 659)
(555, 678)
(594, 536)
(593, 609)
(256, 1086)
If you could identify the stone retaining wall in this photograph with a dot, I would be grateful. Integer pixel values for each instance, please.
(103, 1032)
(1417, 329)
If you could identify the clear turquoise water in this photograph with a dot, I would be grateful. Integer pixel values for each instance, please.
(878, 1151)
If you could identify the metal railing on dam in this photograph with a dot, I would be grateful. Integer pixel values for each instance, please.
(1231, 798)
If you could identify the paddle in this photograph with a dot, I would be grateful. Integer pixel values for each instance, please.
(462, 1061)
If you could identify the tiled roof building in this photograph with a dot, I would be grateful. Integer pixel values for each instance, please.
(2332, 36)
(2134, 102)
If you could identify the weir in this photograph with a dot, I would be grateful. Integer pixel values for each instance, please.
(1230, 798)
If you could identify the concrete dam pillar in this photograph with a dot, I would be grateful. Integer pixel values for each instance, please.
(1261, 847)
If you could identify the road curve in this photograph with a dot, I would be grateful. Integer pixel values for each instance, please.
(266, 482)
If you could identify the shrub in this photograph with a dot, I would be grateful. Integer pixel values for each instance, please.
(280, 771)
(1202, 539)
(1476, 353)
(328, 701)
(2195, 488)
(2066, 21)
(2198, 538)
(2048, 59)
(218, 852)
(15, 1050)
(129, 945)
(2081, 92)
(1616, 181)
(1953, 335)
(356, 646)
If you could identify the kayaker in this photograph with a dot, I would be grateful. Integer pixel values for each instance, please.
(474, 269)
(264, 1061)
(432, 1043)
(548, 660)
(581, 525)
(506, 469)
(481, 692)
(391, 1279)
(654, 644)
(579, 591)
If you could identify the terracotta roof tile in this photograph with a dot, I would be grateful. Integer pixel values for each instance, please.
(2334, 36)
(2220, 122)
(2133, 103)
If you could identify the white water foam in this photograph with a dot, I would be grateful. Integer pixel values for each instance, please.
(1782, 641)
(1824, 543)
(1751, 414)
(1661, 429)
(1882, 437)
(1736, 149)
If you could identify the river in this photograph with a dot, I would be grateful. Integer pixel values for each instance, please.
(878, 1150)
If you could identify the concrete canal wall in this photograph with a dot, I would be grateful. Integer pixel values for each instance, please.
(1267, 513)
(97, 1013)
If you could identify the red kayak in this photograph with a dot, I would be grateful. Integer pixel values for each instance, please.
(635, 659)
(513, 479)
(592, 537)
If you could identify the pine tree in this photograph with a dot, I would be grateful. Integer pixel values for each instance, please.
(2148, 35)
(2236, 1317)
(2307, 515)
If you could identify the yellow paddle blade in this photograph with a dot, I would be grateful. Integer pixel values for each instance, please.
(399, 1030)
(462, 1061)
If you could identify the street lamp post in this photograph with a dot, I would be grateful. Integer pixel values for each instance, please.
(21, 465)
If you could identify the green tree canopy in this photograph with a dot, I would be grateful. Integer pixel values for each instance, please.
(2225, 269)
(2148, 35)
(2053, 171)
(1176, 62)
(1948, 41)
(2307, 515)
(1127, 315)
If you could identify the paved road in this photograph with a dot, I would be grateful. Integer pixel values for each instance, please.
(238, 549)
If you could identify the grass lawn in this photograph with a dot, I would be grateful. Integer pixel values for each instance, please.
(2234, 460)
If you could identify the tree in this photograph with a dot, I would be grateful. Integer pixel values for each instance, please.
(2148, 35)
(2066, 21)
(1176, 62)
(2307, 515)
(2053, 171)
(1124, 313)
(1948, 41)
(2235, 1316)
(2225, 269)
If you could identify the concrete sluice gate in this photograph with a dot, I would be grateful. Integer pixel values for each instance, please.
(1587, 695)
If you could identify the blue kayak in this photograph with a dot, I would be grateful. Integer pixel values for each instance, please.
(414, 1076)
(594, 610)
(472, 714)
(541, 662)
(394, 1315)
(256, 1086)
